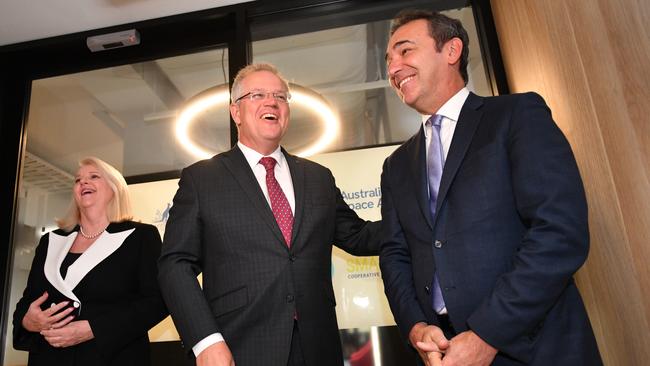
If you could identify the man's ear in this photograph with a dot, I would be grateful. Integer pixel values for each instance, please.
(454, 49)
(234, 112)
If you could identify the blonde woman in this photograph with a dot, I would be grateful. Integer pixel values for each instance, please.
(92, 292)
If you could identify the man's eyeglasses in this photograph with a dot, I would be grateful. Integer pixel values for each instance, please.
(258, 95)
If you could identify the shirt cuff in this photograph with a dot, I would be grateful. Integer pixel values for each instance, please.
(206, 342)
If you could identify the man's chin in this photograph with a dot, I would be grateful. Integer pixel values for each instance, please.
(408, 97)
(409, 101)
(273, 139)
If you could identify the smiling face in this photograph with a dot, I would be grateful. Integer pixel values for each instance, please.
(261, 123)
(91, 188)
(423, 77)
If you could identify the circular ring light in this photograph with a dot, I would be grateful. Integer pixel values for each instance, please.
(194, 106)
(300, 95)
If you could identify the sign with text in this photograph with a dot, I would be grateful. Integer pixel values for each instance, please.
(359, 290)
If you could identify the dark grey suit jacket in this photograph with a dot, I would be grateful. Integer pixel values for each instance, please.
(509, 233)
(221, 225)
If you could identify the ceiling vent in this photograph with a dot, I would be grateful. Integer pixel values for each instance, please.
(109, 41)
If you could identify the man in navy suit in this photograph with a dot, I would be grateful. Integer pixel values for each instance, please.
(484, 212)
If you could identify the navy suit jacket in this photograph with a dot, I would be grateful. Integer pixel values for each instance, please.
(509, 233)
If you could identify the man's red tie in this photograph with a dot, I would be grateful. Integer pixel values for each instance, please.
(279, 203)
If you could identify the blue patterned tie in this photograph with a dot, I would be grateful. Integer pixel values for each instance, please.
(435, 162)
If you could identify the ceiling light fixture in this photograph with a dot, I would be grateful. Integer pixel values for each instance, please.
(304, 97)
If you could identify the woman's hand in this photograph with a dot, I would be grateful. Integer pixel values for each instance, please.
(69, 334)
(36, 320)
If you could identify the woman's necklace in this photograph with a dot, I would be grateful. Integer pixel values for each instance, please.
(90, 236)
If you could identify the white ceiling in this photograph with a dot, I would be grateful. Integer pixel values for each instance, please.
(28, 20)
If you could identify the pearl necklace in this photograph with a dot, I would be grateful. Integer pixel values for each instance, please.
(90, 236)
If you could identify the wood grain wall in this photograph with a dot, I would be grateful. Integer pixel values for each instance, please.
(590, 60)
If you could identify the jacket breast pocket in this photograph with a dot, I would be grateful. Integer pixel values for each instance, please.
(230, 301)
(320, 200)
(478, 159)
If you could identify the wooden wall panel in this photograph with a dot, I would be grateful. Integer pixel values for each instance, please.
(590, 60)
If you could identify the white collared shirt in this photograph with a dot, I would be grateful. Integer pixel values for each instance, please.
(283, 176)
(282, 173)
(450, 112)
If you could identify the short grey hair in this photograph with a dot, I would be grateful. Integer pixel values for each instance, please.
(244, 72)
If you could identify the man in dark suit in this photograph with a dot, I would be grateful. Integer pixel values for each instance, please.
(485, 217)
(259, 224)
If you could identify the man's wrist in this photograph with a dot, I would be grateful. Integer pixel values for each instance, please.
(206, 342)
(415, 331)
(486, 344)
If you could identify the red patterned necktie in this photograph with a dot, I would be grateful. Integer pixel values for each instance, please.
(279, 203)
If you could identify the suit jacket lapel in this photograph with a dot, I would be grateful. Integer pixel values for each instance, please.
(419, 170)
(104, 245)
(57, 248)
(297, 170)
(468, 121)
(236, 163)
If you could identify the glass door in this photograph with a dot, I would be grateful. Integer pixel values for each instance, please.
(127, 116)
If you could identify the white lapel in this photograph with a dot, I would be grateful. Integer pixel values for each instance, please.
(104, 246)
(57, 248)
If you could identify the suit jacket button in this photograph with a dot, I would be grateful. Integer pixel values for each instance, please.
(427, 289)
(292, 258)
(289, 298)
(437, 244)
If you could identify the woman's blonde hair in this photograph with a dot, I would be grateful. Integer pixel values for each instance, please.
(119, 208)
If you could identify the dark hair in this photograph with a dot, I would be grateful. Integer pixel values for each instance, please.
(441, 27)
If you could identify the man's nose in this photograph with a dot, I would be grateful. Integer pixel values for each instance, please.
(393, 68)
